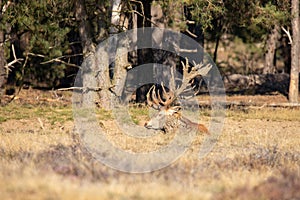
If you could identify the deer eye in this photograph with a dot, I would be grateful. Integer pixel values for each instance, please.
(160, 114)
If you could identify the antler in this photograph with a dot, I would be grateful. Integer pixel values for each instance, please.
(156, 101)
(169, 97)
(187, 76)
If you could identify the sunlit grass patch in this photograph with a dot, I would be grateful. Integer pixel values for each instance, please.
(138, 113)
(27, 111)
(61, 114)
(14, 111)
(275, 114)
(3, 119)
(103, 114)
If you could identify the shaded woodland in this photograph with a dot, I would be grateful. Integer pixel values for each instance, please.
(255, 44)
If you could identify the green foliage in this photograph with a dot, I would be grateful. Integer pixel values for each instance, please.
(253, 20)
(204, 12)
(250, 20)
(47, 23)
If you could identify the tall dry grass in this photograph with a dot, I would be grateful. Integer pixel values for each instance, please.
(256, 157)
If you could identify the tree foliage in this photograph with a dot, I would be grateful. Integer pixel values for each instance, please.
(39, 29)
(46, 32)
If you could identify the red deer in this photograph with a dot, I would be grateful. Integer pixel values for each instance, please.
(169, 117)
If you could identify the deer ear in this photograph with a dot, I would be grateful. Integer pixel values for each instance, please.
(176, 108)
(173, 110)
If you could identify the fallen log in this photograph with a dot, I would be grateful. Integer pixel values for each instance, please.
(257, 83)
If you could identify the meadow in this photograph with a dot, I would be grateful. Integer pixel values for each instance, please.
(257, 156)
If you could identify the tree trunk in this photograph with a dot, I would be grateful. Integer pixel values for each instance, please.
(294, 78)
(119, 55)
(144, 55)
(163, 60)
(219, 33)
(85, 27)
(121, 62)
(218, 38)
(286, 54)
(95, 65)
(120, 71)
(115, 15)
(269, 67)
(3, 75)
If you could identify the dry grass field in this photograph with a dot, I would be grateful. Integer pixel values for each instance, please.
(257, 156)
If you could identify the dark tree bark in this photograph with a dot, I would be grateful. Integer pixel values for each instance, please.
(144, 55)
(218, 38)
(286, 54)
(219, 27)
(85, 27)
(269, 67)
(3, 75)
(294, 77)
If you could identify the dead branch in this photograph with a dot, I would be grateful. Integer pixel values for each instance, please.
(22, 76)
(16, 60)
(5, 6)
(60, 61)
(190, 22)
(84, 89)
(192, 34)
(287, 32)
(178, 49)
(37, 55)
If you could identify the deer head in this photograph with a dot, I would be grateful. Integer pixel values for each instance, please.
(166, 112)
(169, 116)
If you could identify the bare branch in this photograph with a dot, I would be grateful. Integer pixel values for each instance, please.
(178, 49)
(192, 34)
(60, 61)
(190, 22)
(287, 32)
(4, 8)
(37, 55)
(16, 60)
(84, 89)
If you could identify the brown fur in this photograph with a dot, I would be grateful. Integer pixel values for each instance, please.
(199, 127)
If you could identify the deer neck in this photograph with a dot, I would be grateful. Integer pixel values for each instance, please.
(188, 122)
(199, 127)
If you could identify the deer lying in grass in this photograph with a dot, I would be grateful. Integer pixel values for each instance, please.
(169, 117)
